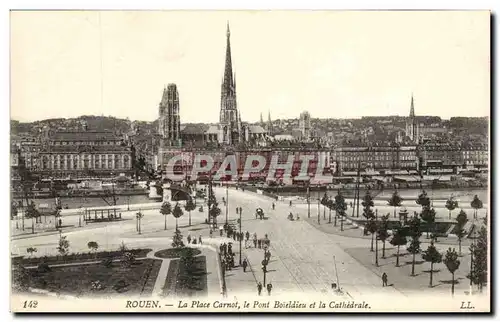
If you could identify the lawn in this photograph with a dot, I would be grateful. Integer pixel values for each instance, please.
(183, 281)
(79, 257)
(77, 280)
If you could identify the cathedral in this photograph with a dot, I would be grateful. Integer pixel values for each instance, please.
(229, 131)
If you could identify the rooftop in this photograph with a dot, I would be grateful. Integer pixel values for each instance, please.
(84, 136)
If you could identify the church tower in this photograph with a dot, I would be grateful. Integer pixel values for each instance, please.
(229, 119)
(412, 127)
(269, 124)
(169, 120)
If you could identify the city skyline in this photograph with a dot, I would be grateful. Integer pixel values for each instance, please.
(341, 75)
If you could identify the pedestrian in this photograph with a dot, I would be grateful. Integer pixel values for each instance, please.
(199, 240)
(245, 265)
(189, 239)
(290, 203)
(269, 288)
(230, 248)
(236, 210)
(259, 243)
(211, 233)
(221, 230)
(247, 235)
(384, 279)
(273, 205)
(259, 288)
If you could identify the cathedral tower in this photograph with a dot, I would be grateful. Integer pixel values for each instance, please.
(229, 119)
(169, 120)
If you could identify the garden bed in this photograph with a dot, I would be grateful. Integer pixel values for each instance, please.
(175, 252)
(76, 257)
(81, 280)
(183, 281)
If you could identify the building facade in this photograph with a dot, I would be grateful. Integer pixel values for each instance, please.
(459, 157)
(241, 155)
(85, 154)
(375, 158)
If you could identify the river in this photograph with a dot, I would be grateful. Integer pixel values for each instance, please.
(462, 195)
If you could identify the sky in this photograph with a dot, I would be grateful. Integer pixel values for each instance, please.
(334, 64)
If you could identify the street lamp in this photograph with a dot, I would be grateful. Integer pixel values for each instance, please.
(308, 201)
(239, 222)
(227, 202)
(318, 203)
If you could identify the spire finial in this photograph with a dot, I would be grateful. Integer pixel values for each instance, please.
(228, 31)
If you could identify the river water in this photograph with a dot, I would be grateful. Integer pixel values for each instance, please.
(463, 195)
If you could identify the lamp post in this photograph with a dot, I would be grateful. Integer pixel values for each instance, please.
(308, 201)
(227, 202)
(318, 203)
(239, 221)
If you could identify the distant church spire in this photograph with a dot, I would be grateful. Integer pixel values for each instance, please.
(269, 123)
(412, 107)
(261, 119)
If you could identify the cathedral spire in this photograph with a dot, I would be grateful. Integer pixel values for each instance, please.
(228, 82)
(412, 107)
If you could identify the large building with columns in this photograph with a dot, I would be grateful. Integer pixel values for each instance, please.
(85, 154)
